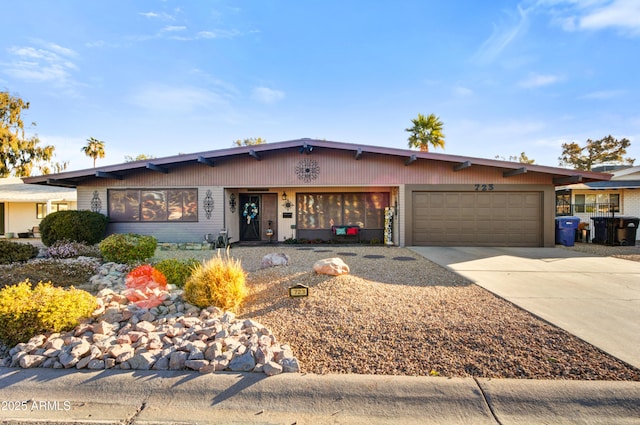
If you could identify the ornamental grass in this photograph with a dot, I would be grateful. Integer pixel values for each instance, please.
(219, 282)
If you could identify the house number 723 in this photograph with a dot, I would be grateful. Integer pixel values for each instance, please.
(484, 187)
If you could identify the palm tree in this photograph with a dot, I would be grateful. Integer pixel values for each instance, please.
(426, 131)
(94, 149)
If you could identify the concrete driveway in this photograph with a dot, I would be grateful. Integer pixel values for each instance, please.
(595, 298)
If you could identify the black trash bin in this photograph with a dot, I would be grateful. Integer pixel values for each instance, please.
(566, 230)
(603, 233)
(626, 228)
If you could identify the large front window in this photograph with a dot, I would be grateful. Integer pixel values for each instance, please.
(153, 205)
(322, 210)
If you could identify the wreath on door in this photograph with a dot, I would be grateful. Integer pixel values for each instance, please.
(250, 211)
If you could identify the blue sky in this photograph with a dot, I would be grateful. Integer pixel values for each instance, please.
(167, 77)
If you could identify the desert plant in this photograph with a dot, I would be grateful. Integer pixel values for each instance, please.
(177, 271)
(60, 272)
(219, 282)
(146, 286)
(77, 226)
(26, 311)
(128, 248)
(70, 249)
(12, 252)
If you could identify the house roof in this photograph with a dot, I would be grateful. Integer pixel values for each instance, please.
(13, 189)
(210, 158)
(608, 185)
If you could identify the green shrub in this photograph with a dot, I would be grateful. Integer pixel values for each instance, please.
(127, 248)
(14, 252)
(26, 311)
(75, 226)
(218, 282)
(177, 270)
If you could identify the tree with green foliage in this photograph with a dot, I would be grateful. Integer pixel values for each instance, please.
(607, 150)
(426, 132)
(18, 154)
(141, 157)
(250, 142)
(522, 159)
(94, 149)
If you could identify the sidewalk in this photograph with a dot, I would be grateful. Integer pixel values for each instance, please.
(144, 397)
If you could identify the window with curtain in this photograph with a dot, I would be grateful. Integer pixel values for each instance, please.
(126, 205)
(321, 210)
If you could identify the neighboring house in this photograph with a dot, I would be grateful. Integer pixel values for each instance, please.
(304, 188)
(23, 206)
(619, 196)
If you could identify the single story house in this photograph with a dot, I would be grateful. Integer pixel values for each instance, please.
(23, 206)
(315, 189)
(620, 196)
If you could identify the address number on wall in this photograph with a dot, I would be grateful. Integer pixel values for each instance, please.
(484, 187)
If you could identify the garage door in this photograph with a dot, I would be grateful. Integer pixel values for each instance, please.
(477, 218)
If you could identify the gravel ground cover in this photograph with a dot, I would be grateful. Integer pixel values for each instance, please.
(397, 313)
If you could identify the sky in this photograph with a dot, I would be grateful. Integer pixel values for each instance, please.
(163, 77)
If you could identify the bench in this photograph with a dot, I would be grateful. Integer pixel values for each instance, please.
(34, 232)
(346, 231)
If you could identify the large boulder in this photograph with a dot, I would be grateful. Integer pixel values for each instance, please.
(331, 266)
(274, 259)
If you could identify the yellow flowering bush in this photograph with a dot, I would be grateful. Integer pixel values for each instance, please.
(26, 311)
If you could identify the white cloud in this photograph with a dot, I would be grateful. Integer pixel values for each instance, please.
(174, 99)
(502, 36)
(574, 15)
(49, 63)
(462, 91)
(155, 15)
(603, 94)
(538, 80)
(173, 28)
(620, 14)
(267, 95)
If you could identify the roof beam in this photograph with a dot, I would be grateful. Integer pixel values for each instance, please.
(254, 154)
(157, 168)
(358, 154)
(60, 183)
(411, 159)
(515, 172)
(462, 166)
(107, 175)
(205, 161)
(567, 180)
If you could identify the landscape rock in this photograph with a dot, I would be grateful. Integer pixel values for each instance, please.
(274, 259)
(331, 266)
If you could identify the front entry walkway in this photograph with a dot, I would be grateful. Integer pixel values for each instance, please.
(595, 298)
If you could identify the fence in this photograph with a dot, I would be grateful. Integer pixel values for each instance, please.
(586, 211)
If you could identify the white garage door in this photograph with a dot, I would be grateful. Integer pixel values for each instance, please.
(477, 218)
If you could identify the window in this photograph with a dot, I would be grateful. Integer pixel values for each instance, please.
(597, 203)
(321, 210)
(127, 205)
(563, 203)
(41, 208)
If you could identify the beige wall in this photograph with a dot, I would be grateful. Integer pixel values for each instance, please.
(20, 217)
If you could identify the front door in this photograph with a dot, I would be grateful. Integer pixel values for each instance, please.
(258, 217)
(250, 217)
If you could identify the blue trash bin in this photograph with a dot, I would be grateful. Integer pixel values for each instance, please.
(566, 230)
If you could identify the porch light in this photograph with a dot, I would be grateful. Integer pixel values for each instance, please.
(284, 196)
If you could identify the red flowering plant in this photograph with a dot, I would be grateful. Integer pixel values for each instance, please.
(146, 286)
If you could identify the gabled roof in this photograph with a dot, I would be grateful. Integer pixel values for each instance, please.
(624, 173)
(13, 189)
(210, 158)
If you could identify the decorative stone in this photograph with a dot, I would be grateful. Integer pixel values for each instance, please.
(142, 361)
(177, 360)
(243, 363)
(290, 365)
(272, 368)
(331, 266)
(30, 360)
(274, 259)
